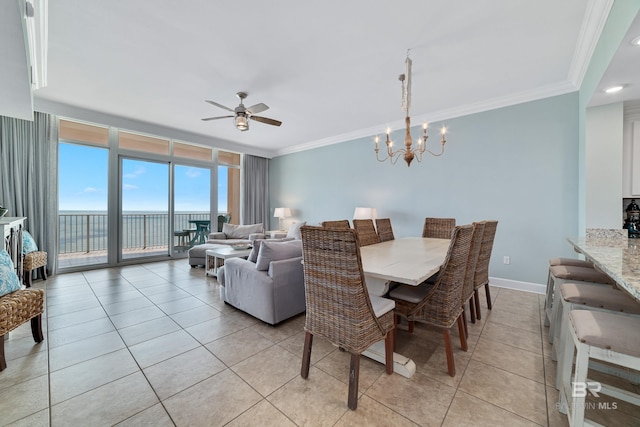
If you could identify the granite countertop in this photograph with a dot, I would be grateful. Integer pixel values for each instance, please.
(618, 257)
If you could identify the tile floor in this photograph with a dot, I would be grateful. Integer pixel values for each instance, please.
(154, 345)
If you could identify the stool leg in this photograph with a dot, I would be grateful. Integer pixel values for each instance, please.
(580, 377)
(560, 342)
(3, 362)
(27, 278)
(547, 300)
(36, 328)
(565, 375)
(43, 272)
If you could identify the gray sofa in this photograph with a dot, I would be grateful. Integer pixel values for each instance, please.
(231, 234)
(271, 288)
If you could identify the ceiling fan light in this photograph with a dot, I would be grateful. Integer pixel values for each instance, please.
(241, 122)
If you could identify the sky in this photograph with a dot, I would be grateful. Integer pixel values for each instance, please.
(82, 181)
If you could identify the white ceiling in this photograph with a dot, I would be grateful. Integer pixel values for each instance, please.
(328, 70)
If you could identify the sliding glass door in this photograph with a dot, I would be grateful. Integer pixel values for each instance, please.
(144, 197)
(192, 207)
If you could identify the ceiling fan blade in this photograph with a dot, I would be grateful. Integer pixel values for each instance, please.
(258, 108)
(266, 120)
(219, 105)
(216, 118)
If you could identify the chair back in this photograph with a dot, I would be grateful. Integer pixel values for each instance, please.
(342, 224)
(442, 306)
(337, 300)
(482, 267)
(474, 252)
(439, 228)
(366, 231)
(385, 232)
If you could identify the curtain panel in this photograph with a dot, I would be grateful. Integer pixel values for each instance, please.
(255, 177)
(28, 177)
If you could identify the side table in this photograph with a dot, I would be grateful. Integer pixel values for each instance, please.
(213, 255)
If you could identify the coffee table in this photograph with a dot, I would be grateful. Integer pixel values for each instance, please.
(223, 252)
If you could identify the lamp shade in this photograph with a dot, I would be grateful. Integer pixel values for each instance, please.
(365, 213)
(281, 212)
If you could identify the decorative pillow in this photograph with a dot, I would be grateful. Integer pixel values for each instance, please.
(5, 259)
(253, 256)
(294, 230)
(8, 280)
(276, 251)
(233, 231)
(28, 244)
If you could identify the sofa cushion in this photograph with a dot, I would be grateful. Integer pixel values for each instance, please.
(294, 230)
(276, 251)
(233, 231)
(253, 256)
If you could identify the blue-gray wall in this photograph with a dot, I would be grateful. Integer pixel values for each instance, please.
(516, 164)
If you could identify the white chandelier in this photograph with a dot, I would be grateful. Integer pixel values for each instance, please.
(409, 152)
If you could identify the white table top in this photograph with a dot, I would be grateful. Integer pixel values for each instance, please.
(227, 252)
(409, 260)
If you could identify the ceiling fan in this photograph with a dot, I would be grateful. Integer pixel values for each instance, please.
(242, 114)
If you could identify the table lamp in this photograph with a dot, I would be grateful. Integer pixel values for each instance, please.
(365, 213)
(281, 213)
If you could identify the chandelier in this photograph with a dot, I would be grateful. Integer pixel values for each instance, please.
(409, 152)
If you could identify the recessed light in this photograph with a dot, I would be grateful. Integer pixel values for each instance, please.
(614, 89)
(636, 41)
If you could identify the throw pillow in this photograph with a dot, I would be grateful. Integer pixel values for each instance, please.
(253, 256)
(294, 230)
(276, 251)
(5, 259)
(28, 244)
(233, 231)
(8, 279)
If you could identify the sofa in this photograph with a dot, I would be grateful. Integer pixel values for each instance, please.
(269, 285)
(231, 234)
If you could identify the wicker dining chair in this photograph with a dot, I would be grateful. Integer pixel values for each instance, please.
(438, 303)
(385, 232)
(339, 307)
(342, 224)
(482, 267)
(439, 228)
(468, 287)
(366, 231)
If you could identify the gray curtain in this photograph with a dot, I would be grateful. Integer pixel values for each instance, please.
(255, 175)
(29, 179)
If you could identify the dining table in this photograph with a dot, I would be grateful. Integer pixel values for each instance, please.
(407, 260)
(618, 257)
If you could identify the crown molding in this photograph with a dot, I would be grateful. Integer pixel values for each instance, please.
(438, 116)
(595, 18)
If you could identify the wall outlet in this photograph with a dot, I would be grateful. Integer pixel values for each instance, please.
(506, 259)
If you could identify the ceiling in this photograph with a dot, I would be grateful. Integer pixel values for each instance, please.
(328, 70)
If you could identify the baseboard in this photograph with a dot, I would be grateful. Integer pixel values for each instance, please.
(535, 288)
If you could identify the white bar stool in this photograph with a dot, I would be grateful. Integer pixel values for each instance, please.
(582, 296)
(608, 337)
(550, 282)
(559, 274)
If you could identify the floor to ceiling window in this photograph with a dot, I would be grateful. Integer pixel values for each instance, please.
(126, 196)
(83, 165)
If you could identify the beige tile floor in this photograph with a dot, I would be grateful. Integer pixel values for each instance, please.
(153, 345)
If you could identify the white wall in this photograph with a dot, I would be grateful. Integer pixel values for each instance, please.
(603, 158)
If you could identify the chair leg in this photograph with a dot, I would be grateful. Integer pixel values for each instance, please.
(396, 320)
(488, 292)
(464, 322)
(476, 299)
(306, 355)
(36, 328)
(354, 376)
(388, 351)
(43, 272)
(27, 278)
(451, 366)
(472, 310)
(461, 332)
(411, 325)
(3, 362)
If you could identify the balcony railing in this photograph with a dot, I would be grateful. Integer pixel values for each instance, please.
(85, 233)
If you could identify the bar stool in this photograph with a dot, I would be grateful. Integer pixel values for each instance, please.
(604, 336)
(550, 282)
(576, 296)
(559, 274)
